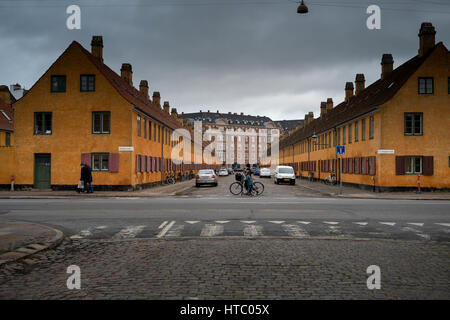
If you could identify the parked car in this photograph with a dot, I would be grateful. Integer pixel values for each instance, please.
(257, 172)
(284, 174)
(223, 172)
(206, 176)
(230, 171)
(265, 173)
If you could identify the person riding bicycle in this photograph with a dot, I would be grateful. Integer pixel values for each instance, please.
(249, 180)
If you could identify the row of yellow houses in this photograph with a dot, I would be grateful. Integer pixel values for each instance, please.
(396, 132)
(81, 111)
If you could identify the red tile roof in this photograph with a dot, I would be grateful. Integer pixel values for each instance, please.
(6, 124)
(367, 101)
(130, 93)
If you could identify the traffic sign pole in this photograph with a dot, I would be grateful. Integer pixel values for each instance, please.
(340, 175)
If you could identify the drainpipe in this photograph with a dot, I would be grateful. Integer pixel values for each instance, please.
(162, 155)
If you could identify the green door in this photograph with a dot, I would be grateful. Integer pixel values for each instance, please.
(42, 169)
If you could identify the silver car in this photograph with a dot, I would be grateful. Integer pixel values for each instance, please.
(206, 176)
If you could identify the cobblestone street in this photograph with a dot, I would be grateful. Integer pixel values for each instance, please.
(233, 269)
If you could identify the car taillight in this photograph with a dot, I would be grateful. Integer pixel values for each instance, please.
(213, 176)
(197, 177)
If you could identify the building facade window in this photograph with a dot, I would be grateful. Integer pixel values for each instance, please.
(426, 85)
(414, 124)
(8, 139)
(149, 130)
(413, 165)
(159, 133)
(449, 85)
(371, 127)
(356, 131)
(154, 132)
(334, 138)
(145, 128)
(363, 129)
(100, 162)
(344, 135)
(350, 133)
(139, 126)
(42, 123)
(58, 83)
(87, 83)
(338, 136)
(101, 122)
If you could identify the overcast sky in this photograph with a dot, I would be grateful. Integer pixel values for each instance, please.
(253, 56)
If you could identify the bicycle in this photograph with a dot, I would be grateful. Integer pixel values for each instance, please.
(331, 180)
(238, 188)
(171, 179)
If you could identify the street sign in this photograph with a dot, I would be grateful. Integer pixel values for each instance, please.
(385, 151)
(340, 149)
(126, 148)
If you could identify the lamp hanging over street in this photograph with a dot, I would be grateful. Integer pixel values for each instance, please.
(302, 8)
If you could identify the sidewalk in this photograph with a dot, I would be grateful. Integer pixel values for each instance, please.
(20, 240)
(354, 192)
(159, 191)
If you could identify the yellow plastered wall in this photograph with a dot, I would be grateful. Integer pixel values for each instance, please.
(72, 125)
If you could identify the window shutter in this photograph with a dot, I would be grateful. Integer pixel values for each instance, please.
(399, 165)
(427, 166)
(113, 162)
(86, 159)
(137, 163)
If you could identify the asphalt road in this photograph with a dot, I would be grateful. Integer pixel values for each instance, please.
(282, 211)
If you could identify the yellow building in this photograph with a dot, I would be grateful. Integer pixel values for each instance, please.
(81, 111)
(394, 130)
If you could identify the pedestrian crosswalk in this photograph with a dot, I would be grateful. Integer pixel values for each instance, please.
(438, 231)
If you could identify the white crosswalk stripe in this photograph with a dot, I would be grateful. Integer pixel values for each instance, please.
(295, 230)
(211, 230)
(253, 231)
(277, 222)
(304, 222)
(388, 223)
(361, 223)
(192, 222)
(222, 221)
(166, 229)
(128, 232)
(443, 224)
(331, 222)
(248, 222)
(416, 224)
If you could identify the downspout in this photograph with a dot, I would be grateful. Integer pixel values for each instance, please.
(162, 156)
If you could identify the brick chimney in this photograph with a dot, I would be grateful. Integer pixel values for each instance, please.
(427, 35)
(126, 72)
(387, 65)
(166, 107)
(329, 104)
(348, 90)
(97, 47)
(156, 98)
(5, 95)
(143, 87)
(311, 116)
(323, 108)
(174, 113)
(360, 83)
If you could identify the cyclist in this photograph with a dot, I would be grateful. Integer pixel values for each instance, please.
(249, 181)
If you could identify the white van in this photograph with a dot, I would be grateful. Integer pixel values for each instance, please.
(284, 174)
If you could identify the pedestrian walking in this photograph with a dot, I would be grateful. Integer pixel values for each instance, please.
(86, 178)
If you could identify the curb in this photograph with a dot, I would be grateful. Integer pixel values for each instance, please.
(25, 252)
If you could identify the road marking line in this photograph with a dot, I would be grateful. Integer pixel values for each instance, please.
(295, 231)
(175, 231)
(331, 222)
(192, 222)
(248, 222)
(444, 224)
(417, 232)
(211, 230)
(162, 225)
(304, 222)
(416, 224)
(253, 231)
(277, 222)
(388, 223)
(361, 223)
(128, 232)
(222, 221)
(101, 227)
(85, 233)
(166, 228)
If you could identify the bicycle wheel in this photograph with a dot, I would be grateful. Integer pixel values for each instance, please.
(259, 187)
(236, 188)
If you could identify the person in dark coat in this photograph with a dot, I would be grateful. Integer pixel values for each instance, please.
(86, 177)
